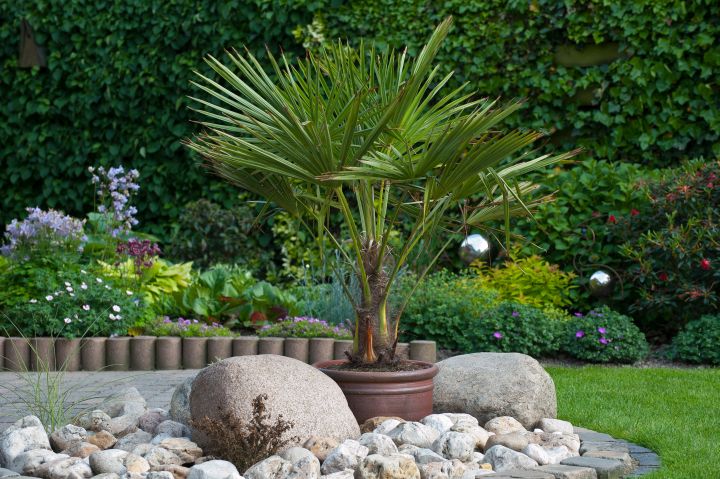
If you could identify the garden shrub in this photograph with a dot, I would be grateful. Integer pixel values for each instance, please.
(515, 327)
(671, 249)
(698, 341)
(185, 328)
(443, 309)
(82, 305)
(304, 327)
(530, 280)
(604, 336)
(208, 234)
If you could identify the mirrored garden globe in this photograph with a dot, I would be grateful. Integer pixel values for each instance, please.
(601, 283)
(475, 247)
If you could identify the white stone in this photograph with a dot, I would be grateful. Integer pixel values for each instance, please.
(64, 437)
(386, 426)
(460, 419)
(25, 435)
(159, 456)
(415, 433)
(130, 441)
(479, 434)
(159, 475)
(215, 469)
(305, 464)
(440, 422)
(70, 468)
(556, 425)
(424, 456)
(347, 455)
(504, 425)
(454, 445)
(109, 461)
(29, 462)
(274, 467)
(396, 466)
(537, 453)
(173, 429)
(95, 421)
(502, 459)
(346, 474)
(378, 444)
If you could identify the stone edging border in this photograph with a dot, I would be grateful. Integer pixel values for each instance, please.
(644, 460)
(147, 353)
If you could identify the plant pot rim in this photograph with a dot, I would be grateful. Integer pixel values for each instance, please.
(377, 376)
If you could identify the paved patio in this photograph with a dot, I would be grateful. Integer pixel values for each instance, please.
(89, 387)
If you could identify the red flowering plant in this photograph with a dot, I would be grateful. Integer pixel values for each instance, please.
(673, 248)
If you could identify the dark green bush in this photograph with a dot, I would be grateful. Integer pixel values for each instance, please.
(208, 234)
(604, 336)
(442, 310)
(517, 328)
(698, 342)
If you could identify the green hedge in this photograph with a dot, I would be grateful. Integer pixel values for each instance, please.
(114, 92)
(655, 103)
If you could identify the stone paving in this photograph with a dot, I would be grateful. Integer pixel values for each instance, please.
(155, 386)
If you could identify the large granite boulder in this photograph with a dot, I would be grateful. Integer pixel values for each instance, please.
(488, 385)
(302, 394)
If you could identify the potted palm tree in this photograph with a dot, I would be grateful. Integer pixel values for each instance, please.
(375, 136)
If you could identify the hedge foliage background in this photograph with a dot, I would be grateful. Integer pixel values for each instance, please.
(629, 81)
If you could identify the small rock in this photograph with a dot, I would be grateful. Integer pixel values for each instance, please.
(321, 446)
(183, 448)
(149, 421)
(160, 438)
(30, 462)
(414, 433)
(123, 425)
(555, 425)
(454, 445)
(274, 467)
(423, 456)
(347, 455)
(173, 429)
(108, 461)
(137, 464)
(129, 402)
(25, 435)
(432, 470)
(7, 473)
(478, 433)
(70, 468)
(159, 475)
(371, 424)
(514, 440)
(159, 456)
(142, 449)
(503, 459)
(387, 426)
(305, 464)
(179, 472)
(396, 466)
(504, 425)
(440, 422)
(81, 449)
(64, 437)
(378, 444)
(537, 454)
(130, 441)
(95, 421)
(102, 439)
(180, 402)
(107, 475)
(462, 419)
(214, 470)
(346, 474)
(571, 441)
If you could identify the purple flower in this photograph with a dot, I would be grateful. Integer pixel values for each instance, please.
(603, 340)
(580, 334)
(115, 188)
(515, 314)
(601, 330)
(49, 228)
(578, 315)
(497, 335)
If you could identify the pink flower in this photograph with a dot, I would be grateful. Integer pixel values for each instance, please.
(497, 335)
(580, 334)
(603, 340)
(602, 330)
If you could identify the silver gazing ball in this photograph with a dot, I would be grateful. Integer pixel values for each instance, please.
(601, 284)
(475, 247)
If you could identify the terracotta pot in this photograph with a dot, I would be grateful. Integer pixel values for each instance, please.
(142, 353)
(297, 348)
(168, 352)
(271, 346)
(321, 349)
(92, 354)
(17, 354)
(245, 346)
(342, 345)
(219, 348)
(67, 354)
(42, 354)
(407, 394)
(194, 353)
(117, 353)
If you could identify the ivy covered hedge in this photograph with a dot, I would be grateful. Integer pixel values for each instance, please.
(630, 81)
(114, 92)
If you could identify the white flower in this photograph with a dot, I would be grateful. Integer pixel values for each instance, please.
(129, 293)
(98, 280)
(69, 289)
(49, 297)
(118, 317)
(116, 308)
(68, 320)
(107, 286)
(83, 271)
(72, 295)
(83, 286)
(33, 301)
(86, 307)
(111, 316)
(67, 284)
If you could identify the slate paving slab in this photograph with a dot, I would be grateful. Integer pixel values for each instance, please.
(604, 468)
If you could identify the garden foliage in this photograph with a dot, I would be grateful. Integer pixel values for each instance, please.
(698, 341)
(304, 327)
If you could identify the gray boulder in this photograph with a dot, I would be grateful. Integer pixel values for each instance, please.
(25, 435)
(296, 390)
(487, 385)
(214, 470)
(180, 402)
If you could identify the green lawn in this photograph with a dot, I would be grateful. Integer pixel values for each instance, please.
(675, 412)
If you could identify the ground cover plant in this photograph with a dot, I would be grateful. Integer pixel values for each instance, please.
(674, 412)
(368, 134)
